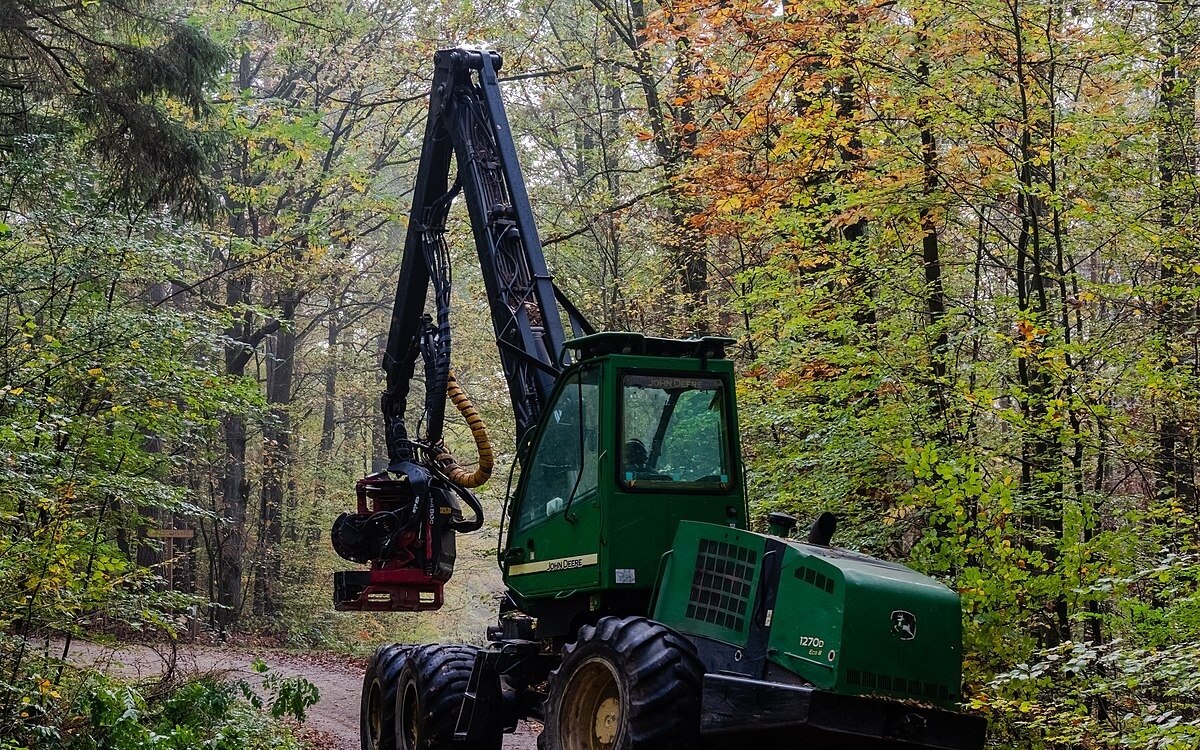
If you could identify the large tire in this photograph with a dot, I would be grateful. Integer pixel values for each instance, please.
(625, 684)
(429, 697)
(377, 709)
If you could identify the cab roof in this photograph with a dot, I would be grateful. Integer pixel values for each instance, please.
(621, 342)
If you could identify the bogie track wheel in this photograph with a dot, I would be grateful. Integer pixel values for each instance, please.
(429, 697)
(625, 684)
(377, 711)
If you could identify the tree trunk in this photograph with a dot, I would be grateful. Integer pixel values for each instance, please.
(235, 494)
(329, 415)
(1042, 480)
(230, 533)
(379, 457)
(931, 257)
(673, 135)
(277, 457)
(1175, 468)
(151, 517)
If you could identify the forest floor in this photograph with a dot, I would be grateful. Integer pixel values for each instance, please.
(332, 723)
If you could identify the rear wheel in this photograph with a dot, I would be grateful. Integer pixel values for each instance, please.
(377, 711)
(430, 695)
(625, 684)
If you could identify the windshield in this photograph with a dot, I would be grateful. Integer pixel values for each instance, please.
(562, 469)
(674, 433)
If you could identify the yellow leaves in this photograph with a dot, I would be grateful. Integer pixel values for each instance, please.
(729, 204)
(816, 260)
(1029, 331)
(14, 391)
(96, 372)
(896, 514)
(45, 686)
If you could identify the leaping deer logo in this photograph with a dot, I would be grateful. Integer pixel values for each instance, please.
(904, 624)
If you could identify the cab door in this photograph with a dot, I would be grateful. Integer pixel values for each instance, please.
(554, 542)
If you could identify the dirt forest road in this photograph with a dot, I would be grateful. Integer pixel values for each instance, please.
(332, 723)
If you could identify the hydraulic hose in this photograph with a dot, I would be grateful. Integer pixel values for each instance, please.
(483, 446)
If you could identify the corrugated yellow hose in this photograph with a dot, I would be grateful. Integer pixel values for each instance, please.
(487, 458)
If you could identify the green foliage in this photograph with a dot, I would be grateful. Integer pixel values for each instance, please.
(89, 711)
(1020, 424)
(204, 713)
(101, 390)
(965, 271)
(126, 77)
(289, 696)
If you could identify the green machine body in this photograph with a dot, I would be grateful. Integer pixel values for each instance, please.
(781, 609)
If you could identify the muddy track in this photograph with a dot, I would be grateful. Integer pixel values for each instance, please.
(332, 723)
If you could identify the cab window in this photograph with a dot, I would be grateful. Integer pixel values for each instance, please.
(675, 434)
(561, 471)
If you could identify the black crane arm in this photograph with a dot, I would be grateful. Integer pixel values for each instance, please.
(467, 122)
(407, 515)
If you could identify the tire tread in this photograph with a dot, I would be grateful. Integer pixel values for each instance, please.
(384, 668)
(662, 674)
(442, 673)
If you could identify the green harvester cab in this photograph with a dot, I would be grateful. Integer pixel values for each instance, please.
(641, 435)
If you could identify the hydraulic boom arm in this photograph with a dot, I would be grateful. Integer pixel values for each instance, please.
(467, 125)
(467, 120)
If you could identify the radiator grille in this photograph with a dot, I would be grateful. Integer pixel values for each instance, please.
(721, 584)
(928, 691)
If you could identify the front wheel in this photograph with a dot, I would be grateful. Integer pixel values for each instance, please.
(432, 685)
(377, 710)
(625, 684)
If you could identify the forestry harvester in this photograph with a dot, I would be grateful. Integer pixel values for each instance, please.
(640, 612)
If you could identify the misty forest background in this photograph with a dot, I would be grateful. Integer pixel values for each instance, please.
(958, 244)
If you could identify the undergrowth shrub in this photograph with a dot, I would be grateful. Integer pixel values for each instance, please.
(96, 712)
